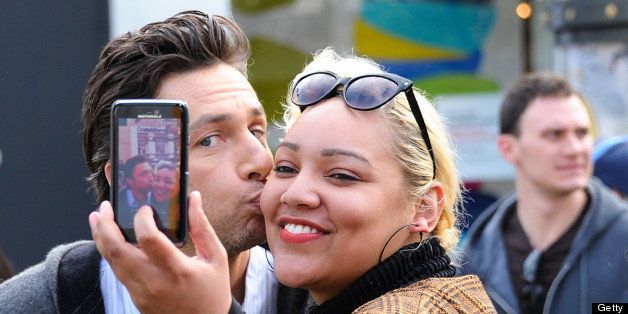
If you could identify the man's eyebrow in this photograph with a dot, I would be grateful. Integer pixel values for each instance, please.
(330, 152)
(257, 112)
(289, 145)
(209, 118)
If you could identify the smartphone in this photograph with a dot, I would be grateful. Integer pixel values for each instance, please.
(149, 156)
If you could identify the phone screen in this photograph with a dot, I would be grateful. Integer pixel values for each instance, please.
(150, 156)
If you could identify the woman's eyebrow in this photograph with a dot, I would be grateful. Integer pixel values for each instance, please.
(329, 152)
(289, 145)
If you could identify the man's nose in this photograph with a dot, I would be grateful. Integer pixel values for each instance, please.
(256, 162)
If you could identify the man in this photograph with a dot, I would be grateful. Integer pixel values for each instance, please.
(139, 180)
(558, 244)
(201, 60)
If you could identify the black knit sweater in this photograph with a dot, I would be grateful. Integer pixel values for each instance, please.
(410, 264)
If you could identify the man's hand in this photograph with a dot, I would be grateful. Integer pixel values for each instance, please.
(159, 277)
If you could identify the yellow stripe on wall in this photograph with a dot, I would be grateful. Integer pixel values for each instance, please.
(377, 44)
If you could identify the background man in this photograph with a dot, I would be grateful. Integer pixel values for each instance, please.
(201, 60)
(6, 270)
(558, 244)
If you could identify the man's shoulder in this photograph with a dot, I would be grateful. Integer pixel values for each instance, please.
(39, 288)
(488, 223)
(79, 279)
(609, 213)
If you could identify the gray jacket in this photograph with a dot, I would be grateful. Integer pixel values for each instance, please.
(66, 282)
(594, 270)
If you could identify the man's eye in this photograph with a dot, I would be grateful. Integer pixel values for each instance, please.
(211, 141)
(582, 133)
(258, 133)
(553, 135)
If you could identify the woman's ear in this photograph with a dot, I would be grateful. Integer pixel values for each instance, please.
(108, 171)
(428, 209)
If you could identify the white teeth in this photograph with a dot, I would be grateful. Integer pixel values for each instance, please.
(296, 229)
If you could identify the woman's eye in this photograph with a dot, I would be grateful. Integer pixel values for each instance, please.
(284, 169)
(211, 141)
(343, 176)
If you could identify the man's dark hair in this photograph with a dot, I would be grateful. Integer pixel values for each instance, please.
(133, 65)
(525, 91)
(131, 163)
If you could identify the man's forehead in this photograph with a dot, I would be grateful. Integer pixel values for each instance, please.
(220, 115)
(546, 107)
(556, 113)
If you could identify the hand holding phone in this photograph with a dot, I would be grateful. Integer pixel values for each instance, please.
(187, 284)
(149, 141)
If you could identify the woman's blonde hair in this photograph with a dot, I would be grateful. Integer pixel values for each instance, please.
(407, 143)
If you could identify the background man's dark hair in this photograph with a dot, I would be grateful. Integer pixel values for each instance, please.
(133, 65)
(131, 163)
(6, 271)
(526, 90)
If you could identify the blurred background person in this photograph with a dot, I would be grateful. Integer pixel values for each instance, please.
(558, 243)
(610, 163)
(6, 270)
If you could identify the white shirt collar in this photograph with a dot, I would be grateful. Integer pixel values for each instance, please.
(261, 285)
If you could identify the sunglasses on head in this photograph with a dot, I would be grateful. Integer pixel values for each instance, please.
(364, 92)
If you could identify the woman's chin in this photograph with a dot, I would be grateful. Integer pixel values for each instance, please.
(293, 275)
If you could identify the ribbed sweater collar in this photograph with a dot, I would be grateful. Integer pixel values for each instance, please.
(414, 262)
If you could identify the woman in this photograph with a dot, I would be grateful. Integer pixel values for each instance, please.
(165, 193)
(361, 207)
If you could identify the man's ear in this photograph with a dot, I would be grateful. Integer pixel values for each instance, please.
(108, 171)
(428, 209)
(507, 146)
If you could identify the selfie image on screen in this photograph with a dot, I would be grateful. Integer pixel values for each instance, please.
(149, 163)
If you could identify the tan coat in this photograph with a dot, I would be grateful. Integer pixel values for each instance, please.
(434, 295)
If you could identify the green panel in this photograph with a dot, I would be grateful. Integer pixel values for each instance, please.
(257, 6)
(456, 84)
(273, 66)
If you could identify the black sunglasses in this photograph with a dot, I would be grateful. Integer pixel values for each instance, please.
(532, 288)
(364, 92)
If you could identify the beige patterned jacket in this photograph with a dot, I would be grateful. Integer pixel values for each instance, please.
(434, 295)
